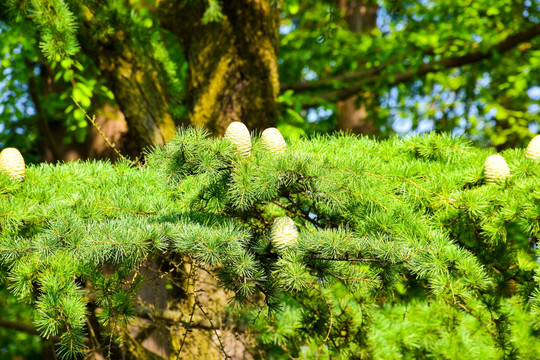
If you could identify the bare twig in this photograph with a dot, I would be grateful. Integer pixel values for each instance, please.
(371, 260)
(96, 126)
(190, 321)
(129, 210)
(347, 259)
(188, 327)
(222, 347)
(299, 214)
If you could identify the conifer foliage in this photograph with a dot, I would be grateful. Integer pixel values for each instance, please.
(393, 249)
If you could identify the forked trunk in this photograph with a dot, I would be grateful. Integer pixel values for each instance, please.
(232, 62)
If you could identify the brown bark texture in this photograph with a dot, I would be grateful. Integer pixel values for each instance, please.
(188, 321)
(137, 90)
(132, 75)
(233, 62)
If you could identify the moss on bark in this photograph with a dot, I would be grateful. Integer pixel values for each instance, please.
(138, 92)
(233, 63)
(132, 76)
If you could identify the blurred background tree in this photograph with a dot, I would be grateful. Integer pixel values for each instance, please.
(144, 67)
(372, 67)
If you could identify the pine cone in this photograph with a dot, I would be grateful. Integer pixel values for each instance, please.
(273, 140)
(533, 149)
(238, 134)
(284, 233)
(12, 162)
(496, 168)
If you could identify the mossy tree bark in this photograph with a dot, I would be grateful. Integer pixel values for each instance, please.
(138, 92)
(132, 75)
(233, 62)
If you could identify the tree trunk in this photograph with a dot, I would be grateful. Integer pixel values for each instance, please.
(113, 125)
(132, 75)
(107, 116)
(353, 113)
(233, 62)
(233, 77)
(137, 91)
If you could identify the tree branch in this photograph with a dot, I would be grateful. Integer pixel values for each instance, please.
(347, 259)
(24, 328)
(294, 212)
(330, 82)
(372, 260)
(369, 77)
(177, 317)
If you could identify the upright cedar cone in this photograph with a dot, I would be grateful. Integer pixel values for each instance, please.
(533, 149)
(273, 140)
(495, 169)
(284, 233)
(238, 134)
(12, 162)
